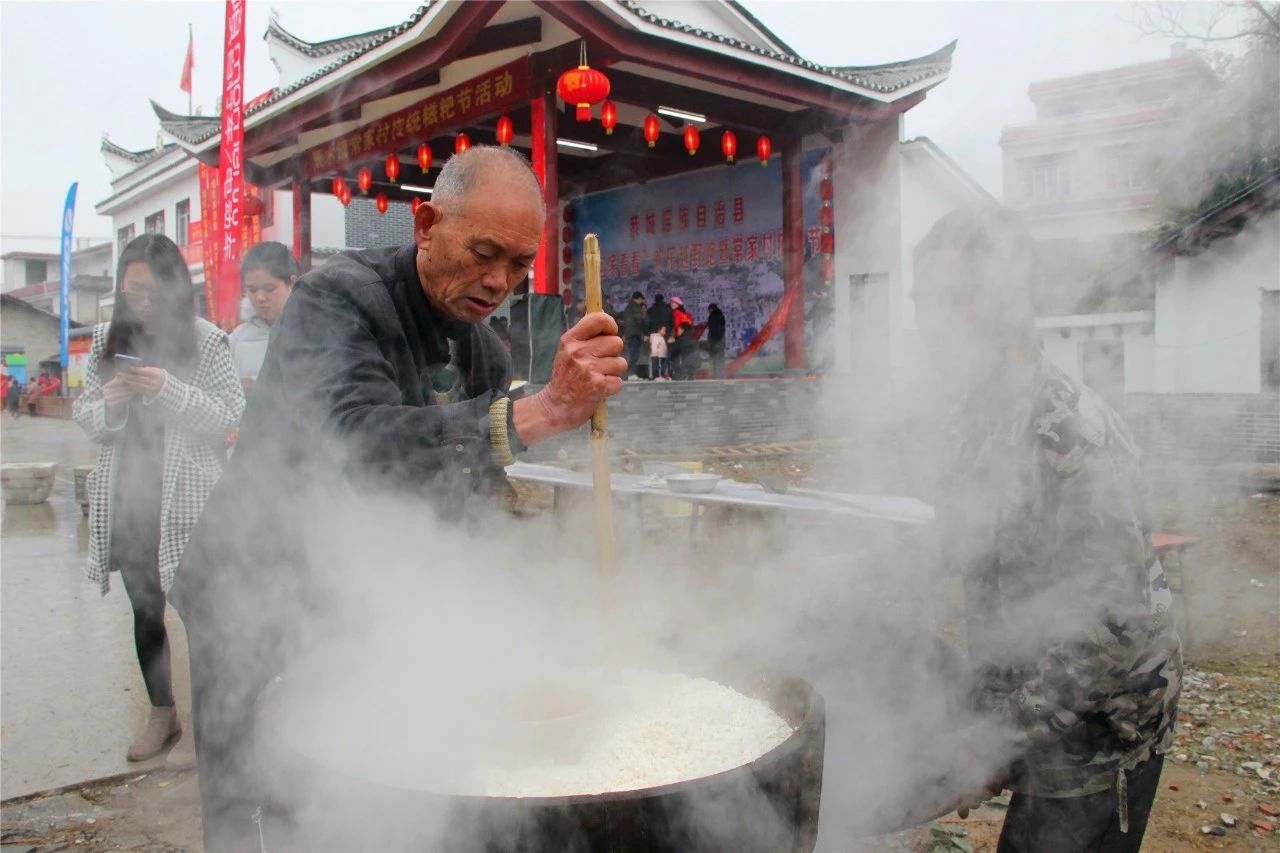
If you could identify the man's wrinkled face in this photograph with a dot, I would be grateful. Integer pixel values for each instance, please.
(479, 248)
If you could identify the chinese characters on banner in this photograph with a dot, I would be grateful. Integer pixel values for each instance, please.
(231, 178)
(492, 92)
(204, 237)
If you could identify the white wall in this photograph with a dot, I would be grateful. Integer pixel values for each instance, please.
(1208, 314)
(867, 195)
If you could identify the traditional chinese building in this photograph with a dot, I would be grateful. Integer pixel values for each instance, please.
(721, 167)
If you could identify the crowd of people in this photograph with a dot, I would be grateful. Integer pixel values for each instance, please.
(379, 373)
(662, 341)
(14, 393)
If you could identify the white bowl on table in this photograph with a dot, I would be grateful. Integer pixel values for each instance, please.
(692, 484)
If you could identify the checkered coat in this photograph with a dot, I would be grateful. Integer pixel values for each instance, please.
(200, 406)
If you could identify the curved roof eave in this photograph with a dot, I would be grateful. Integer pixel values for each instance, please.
(896, 81)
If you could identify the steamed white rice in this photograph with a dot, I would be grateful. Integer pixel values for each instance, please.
(663, 728)
(645, 730)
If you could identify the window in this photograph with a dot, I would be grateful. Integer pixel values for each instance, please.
(1120, 168)
(182, 222)
(1047, 177)
(123, 236)
(154, 224)
(37, 271)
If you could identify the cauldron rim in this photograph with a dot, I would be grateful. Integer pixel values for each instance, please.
(813, 717)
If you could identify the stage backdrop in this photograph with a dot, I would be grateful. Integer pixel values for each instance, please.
(709, 236)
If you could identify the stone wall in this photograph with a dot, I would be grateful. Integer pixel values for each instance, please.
(1206, 428)
(667, 416)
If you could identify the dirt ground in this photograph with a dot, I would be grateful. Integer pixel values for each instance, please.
(1227, 761)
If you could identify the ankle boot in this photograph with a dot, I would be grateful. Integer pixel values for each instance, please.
(161, 729)
(183, 754)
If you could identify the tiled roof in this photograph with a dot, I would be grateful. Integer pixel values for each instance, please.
(317, 49)
(879, 78)
(887, 78)
(189, 129)
(139, 157)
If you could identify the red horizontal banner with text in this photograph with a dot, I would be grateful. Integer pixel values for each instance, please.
(494, 91)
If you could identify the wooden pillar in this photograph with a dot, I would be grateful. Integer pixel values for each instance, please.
(302, 219)
(546, 267)
(793, 252)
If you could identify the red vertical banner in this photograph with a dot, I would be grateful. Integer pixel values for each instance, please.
(210, 236)
(231, 175)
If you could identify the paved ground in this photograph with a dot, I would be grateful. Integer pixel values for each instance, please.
(70, 690)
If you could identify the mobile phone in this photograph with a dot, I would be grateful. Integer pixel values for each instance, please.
(127, 362)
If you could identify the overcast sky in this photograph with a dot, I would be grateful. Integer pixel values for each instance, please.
(70, 71)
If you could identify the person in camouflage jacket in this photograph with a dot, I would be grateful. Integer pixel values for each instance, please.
(1070, 630)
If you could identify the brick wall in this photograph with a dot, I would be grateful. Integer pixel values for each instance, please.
(662, 416)
(1206, 428)
(367, 229)
(34, 332)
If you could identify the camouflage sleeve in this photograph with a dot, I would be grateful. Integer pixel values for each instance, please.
(1097, 616)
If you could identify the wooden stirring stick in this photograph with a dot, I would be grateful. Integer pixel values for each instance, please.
(599, 426)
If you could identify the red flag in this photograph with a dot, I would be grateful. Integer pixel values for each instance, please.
(188, 64)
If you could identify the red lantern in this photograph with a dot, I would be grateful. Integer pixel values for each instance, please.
(826, 189)
(567, 255)
(393, 167)
(461, 143)
(424, 157)
(566, 275)
(364, 178)
(566, 234)
(381, 201)
(568, 213)
(345, 197)
(339, 184)
(764, 148)
(828, 242)
(505, 130)
(827, 217)
(651, 129)
(608, 117)
(691, 139)
(415, 204)
(583, 86)
(253, 206)
(729, 145)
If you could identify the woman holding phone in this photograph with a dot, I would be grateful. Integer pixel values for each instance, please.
(160, 395)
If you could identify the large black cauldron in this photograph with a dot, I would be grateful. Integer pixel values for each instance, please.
(770, 805)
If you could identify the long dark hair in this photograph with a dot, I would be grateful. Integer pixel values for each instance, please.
(274, 259)
(173, 342)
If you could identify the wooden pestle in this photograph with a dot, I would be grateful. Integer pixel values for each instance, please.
(599, 426)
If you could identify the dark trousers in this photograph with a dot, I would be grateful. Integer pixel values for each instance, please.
(658, 366)
(1089, 824)
(717, 359)
(634, 345)
(140, 571)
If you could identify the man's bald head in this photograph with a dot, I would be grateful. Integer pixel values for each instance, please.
(478, 235)
(462, 173)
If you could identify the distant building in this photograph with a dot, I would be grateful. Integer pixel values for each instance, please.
(29, 339)
(1075, 174)
(34, 277)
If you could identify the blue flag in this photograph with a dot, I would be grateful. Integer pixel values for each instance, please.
(64, 283)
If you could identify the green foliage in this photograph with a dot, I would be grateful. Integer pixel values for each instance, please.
(1223, 138)
(949, 838)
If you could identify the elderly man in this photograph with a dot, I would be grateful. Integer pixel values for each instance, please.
(1069, 626)
(383, 378)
